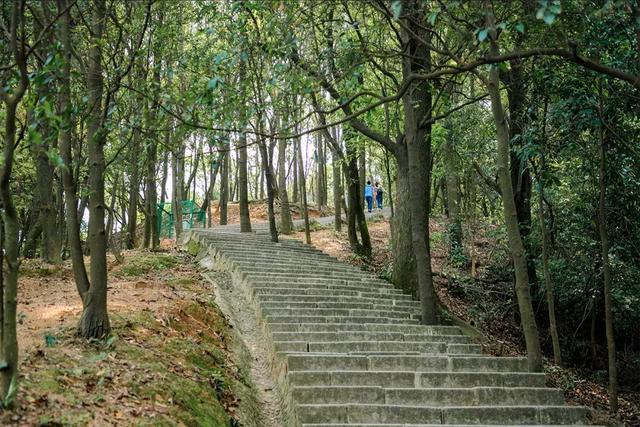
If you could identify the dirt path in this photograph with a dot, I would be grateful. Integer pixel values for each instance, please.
(242, 317)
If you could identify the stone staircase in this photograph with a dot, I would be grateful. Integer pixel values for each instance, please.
(350, 351)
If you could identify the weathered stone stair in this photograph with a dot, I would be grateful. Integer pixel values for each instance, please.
(352, 352)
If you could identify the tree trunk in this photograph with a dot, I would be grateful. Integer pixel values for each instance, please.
(243, 193)
(417, 105)
(553, 328)
(134, 190)
(64, 135)
(320, 180)
(356, 219)
(10, 245)
(362, 168)
(294, 163)
(534, 354)
(337, 190)
(177, 168)
(94, 322)
(303, 192)
(451, 179)
(224, 189)
(267, 167)
(606, 270)
(404, 273)
(286, 223)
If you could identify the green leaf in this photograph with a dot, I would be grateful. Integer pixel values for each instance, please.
(214, 82)
(482, 34)
(520, 27)
(549, 17)
(433, 17)
(396, 8)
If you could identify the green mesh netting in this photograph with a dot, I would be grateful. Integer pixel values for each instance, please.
(192, 216)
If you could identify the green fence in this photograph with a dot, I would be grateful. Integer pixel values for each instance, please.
(192, 216)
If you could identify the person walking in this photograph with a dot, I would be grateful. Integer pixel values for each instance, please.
(379, 191)
(368, 195)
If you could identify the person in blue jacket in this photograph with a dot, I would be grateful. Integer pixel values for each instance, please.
(368, 195)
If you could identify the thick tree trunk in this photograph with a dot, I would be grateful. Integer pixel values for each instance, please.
(224, 189)
(527, 315)
(95, 321)
(404, 272)
(286, 223)
(362, 169)
(417, 107)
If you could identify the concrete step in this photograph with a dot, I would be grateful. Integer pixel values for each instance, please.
(405, 314)
(356, 356)
(476, 396)
(415, 425)
(416, 363)
(336, 292)
(339, 305)
(338, 319)
(382, 293)
(361, 346)
(373, 327)
(335, 298)
(412, 415)
(324, 286)
(366, 336)
(404, 379)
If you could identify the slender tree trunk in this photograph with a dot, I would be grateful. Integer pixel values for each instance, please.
(356, 219)
(451, 179)
(553, 328)
(224, 188)
(95, 320)
(362, 168)
(213, 173)
(337, 190)
(606, 269)
(387, 168)
(286, 223)
(243, 193)
(303, 192)
(267, 167)
(320, 181)
(9, 290)
(9, 246)
(177, 165)
(295, 174)
(534, 353)
(134, 190)
(64, 135)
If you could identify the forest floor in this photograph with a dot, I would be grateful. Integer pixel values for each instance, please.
(167, 361)
(485, 303)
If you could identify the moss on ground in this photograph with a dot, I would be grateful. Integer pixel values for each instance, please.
(142, 264)
(168, 371)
